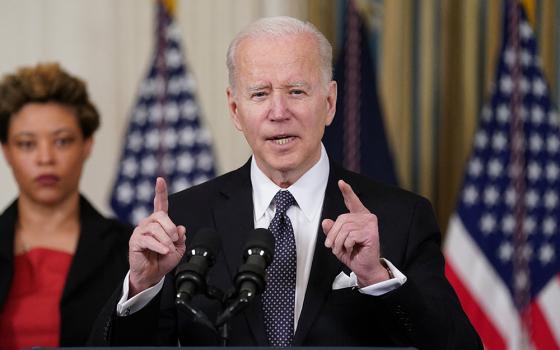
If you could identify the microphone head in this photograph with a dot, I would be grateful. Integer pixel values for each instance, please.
(261, 238)
(205, 240)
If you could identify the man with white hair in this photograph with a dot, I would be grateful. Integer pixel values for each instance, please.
(357, 263)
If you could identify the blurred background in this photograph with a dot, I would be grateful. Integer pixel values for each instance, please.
(433, 64)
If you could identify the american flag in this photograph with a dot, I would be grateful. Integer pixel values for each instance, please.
(503, 242)
(165, 136)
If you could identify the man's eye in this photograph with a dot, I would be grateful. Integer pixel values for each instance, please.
(258, 94)
(297, 92)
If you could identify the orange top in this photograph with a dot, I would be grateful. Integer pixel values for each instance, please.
(31, 313)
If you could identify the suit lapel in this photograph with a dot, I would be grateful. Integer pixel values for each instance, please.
(91, 249)
(7, 234)
(234, 220)
(325, 265)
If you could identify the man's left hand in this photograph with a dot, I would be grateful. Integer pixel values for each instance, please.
(354, 239)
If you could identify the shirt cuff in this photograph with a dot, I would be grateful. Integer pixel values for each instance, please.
(127, 306)
(383, 287)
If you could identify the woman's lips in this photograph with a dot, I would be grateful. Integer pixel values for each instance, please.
(47, 180)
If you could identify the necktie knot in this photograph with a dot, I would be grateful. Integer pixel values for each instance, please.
(283, 201)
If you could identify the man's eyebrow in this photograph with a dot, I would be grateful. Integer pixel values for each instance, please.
(258, 87)
(297, 84)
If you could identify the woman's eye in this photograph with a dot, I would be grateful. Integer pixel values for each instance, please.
(25, 145)
(63, 141)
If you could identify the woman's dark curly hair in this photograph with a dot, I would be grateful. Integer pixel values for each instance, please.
(44, 83)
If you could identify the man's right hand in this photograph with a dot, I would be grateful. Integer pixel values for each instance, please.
(156, 245)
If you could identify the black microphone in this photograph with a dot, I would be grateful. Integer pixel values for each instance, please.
(250, 278)
(258, 254)
(190, 276)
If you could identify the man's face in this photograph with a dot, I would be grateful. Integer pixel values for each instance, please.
(281, 103)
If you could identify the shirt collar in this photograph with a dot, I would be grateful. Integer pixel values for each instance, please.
(304, 190)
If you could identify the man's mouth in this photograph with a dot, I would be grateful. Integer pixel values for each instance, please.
(282, 140)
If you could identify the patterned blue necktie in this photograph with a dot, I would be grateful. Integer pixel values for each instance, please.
(280, 293)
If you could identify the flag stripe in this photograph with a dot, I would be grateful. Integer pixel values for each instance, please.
(542, 336)
(483, 283)
(548, 301)
(484, 326)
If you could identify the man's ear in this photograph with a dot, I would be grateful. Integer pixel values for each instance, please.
(331, 102)
(233, 108)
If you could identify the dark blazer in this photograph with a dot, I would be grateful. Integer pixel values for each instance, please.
(98, 267)
(424, 312)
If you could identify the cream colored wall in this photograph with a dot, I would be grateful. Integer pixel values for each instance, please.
(109, 44)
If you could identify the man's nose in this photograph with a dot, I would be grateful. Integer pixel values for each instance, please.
(279, 107)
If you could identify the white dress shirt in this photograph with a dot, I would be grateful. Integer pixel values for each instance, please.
(309, 193)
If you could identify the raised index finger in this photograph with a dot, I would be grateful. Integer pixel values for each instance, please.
(160, 198)
(351, 200)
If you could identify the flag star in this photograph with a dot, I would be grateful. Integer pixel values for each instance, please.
(138, 213)
(190, 83)
(470, 195)
(537, 115)
(175, 85)
(508, 223)
(168, 164)
(480, 139)
(171, 112)
(499, 141)
(525, 31)
(552, 172)
(552, 144)
(486, 113)
(140, 115)
(173, 58)
(532, 199)
(134, 141)
(130, 167)
(170, 138)
(535, 143)
(505, 251)
(487, 223)
(509, 56)
(152, 139)
(539, 87)
(491, 196)
(144, 191)
(495, 168)
(549, 226)
(190, 109)
(503, 113)
(529, 225)
(506, 85)
(156, 114)
(205, 161)
(125, 193)
(180, 184)
(187, 136)
(534, 171)
(550, 199)
(526, 58)
(475, 167)
(148, 88)
(149, 165)
(546, 254)
(185, 162)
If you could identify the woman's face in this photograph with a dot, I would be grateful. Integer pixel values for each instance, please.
(46, 151)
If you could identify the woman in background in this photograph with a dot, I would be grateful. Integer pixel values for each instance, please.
(60, 259)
